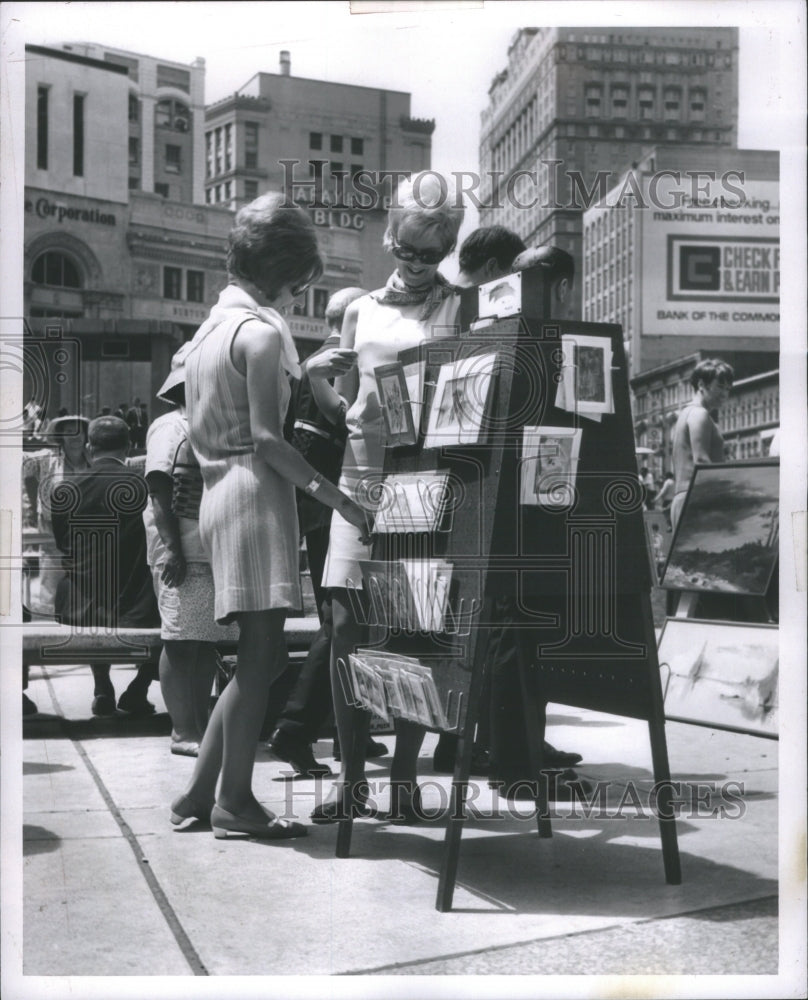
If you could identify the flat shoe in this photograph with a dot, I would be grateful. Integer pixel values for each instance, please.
(405, 803)
(135, 706)
(224, 823)
(103, 706)
(335, 809)
(183, 808)
(185, 748)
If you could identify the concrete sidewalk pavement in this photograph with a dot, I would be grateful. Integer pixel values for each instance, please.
(111, 889)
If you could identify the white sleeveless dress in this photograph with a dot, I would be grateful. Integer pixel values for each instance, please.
(382, 331)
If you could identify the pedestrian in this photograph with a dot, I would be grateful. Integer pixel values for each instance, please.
(107, 583)
(183, 582)
(237, 392)
(697, 439)
(486, 254)
(322, 444)
(421, 231)
(665, 495)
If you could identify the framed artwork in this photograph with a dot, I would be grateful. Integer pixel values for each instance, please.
(394, 400)
(500, 297)
(412, 502)
(549, 465)
(658, 535)
(457, 414)
(721, 674)
(726, 540)
(587, 384)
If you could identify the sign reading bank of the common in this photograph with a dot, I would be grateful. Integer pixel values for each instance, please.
(712, 267)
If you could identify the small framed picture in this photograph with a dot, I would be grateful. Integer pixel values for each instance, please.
(460, 403)
(549, 465)
(394, 400)
(501, 297)
(587, 374)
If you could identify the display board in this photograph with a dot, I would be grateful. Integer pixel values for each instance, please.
(513, 478)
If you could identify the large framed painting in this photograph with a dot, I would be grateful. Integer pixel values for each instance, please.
(721, 674)
(726, 538)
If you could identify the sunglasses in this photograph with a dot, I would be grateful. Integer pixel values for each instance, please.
(424, 256)
(299, 289)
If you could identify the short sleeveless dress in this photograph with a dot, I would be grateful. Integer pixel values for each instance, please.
(382, 331)
(247, 518)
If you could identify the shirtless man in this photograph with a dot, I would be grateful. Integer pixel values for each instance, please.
(697, 439)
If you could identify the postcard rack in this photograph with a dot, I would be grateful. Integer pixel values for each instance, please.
(569, 564)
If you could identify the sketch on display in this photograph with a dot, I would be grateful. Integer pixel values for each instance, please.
(457, 414)
(726, 540)
(394, 400)
(412, 502)
(501, 297)
(586, 386)
(721, 674)
(392, 684)
(549, 465)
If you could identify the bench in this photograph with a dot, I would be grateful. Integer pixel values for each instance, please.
(51, 644)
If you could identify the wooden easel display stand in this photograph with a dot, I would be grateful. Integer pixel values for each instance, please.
(575, 571)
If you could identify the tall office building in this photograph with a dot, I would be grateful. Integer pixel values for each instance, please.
(575, 106)
(315, 139)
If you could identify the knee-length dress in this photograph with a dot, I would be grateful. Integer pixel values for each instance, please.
(382, 331)
(247, 518)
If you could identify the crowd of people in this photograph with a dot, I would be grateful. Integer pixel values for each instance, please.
(258, 452)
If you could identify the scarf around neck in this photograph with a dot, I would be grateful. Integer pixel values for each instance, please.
(396, 293)
(234, 300)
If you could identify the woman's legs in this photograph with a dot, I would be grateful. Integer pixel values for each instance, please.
(187, 669)
(235, 723)
(353, 724)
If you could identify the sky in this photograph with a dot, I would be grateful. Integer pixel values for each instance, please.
(446, 58)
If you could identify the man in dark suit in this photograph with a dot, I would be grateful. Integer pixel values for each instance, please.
(98, 524)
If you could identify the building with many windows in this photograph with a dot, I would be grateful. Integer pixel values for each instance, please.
(575, 106)
(684, 253)
(325, 144)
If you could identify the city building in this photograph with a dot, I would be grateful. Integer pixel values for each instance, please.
(684, 253)
(325, 144)
(124, 272)
(575, 106)
(748, 421)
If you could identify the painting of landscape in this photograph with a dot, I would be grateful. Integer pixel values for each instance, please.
(726, 539)
(721, 674)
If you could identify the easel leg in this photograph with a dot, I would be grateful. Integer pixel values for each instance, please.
(460, 779)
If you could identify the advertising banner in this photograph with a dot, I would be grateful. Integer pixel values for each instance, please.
(711, 264)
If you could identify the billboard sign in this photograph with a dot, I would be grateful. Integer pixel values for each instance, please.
(711, 267)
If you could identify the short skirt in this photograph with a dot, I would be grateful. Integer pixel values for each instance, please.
(187, 611)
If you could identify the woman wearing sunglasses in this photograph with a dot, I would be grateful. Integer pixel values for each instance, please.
(416, 304)
(237, 391)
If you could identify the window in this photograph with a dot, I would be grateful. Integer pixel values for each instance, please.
(134, 183)
(195, 284)
(172, 283)
(698, 100)
(251, 145)
(320, 302)
(673, 103)
(209, 154)
(134, 108)
(646, 97)
(336, 143)
(315, 140)
(357, 147)
(172, 115)
(161, 189)
(57, 269)
(173, 76)
(593, 100)
(356, 168)
(250, 189)
(619, 101)
(172, 164)
(78, 135)
(42, 128)
(228, 147)
(134, 150)
(336, 166)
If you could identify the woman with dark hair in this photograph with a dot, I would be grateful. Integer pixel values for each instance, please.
(416, 304)
(237, 392)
